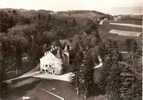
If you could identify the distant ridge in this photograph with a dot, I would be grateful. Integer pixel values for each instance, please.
(88, 14)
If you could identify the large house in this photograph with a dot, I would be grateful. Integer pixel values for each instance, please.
(53, 59)
(51, 64)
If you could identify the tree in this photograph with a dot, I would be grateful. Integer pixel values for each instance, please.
(20, 43)
(131, 45)
(6, 21)
(4, 51)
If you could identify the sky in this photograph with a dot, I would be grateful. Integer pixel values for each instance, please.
(106, 6)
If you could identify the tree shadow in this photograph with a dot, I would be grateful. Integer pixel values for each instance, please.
(96, 91)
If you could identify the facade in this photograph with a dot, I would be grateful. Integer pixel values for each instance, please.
(50, 64)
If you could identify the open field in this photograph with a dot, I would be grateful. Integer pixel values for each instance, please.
(121, 30)
(125, 33)
(129, 25)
